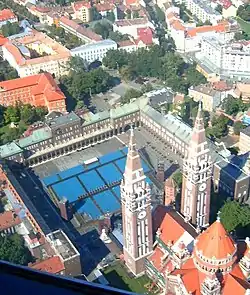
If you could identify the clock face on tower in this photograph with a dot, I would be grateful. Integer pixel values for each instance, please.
(202, 187)
(142, 214)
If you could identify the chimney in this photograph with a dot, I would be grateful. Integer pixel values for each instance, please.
(160, 171)
(65, 210)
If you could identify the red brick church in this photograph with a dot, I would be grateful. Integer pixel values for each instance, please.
(188, 256)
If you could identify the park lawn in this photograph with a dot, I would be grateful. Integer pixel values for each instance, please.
(245, 26)
(119, 278)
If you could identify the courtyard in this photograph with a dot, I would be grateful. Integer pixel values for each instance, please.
(118, 277)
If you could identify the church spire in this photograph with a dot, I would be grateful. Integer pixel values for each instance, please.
(197, 169)
(133, 162)
(136, 211)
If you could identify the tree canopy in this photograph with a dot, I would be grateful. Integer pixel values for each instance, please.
(10, 29)
(80, 84)
(238, 126)
(232, 106)
(130, 93)
(219, 127)
(12, 249)
(155, 62)
(67, 39)
(22, 116)
(244, 12)
(7, 72)
(235, 216)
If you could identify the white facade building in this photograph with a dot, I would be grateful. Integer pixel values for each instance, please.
(225, 58)
(130, 26)
(203, 10)
(94, 51)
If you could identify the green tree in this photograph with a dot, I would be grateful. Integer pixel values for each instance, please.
(147, 88)
(127, 73)
(130, 93)
(111, 16)
(27, 114)
(95, 14)
(235, 215)
(219, 127)
(128, 13)
(12, 114)
(244, 12)
(117, 36)
(159, 14)
(77, 64)
(80, 84)
(177, 177)
(232, 105)
(10, 29)
(80, 105)
(12, 249)
(136, 14)
(103, 29)
(238, 126)
(219, 8)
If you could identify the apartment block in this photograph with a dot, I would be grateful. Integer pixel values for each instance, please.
(79, 31)
(94, 51)
(211, 94)
(203, 10)
(36, 52)
(37, 90)
(82, 11)
(131, 26)
(231, 59)
(67, 252)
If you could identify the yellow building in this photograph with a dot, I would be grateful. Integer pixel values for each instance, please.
(82, 11)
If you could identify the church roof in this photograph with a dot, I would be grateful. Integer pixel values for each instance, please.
(215, 242)
(175, 230)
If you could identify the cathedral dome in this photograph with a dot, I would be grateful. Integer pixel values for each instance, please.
(215, 242)
(215, 249)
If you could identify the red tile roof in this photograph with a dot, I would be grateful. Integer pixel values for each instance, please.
(131, 22)
(215, 242)
(131, 2)
(79, 29)
(8, 219)
(52, 265)
(145, 35)
(3, 40)
(6, 14)
(126, 43)
(41, 84)
(79, 4)
(102, 7)
(220, 27)
(173, 227)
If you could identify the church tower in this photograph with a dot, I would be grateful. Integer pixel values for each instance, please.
(136, 212)
(197, 172)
